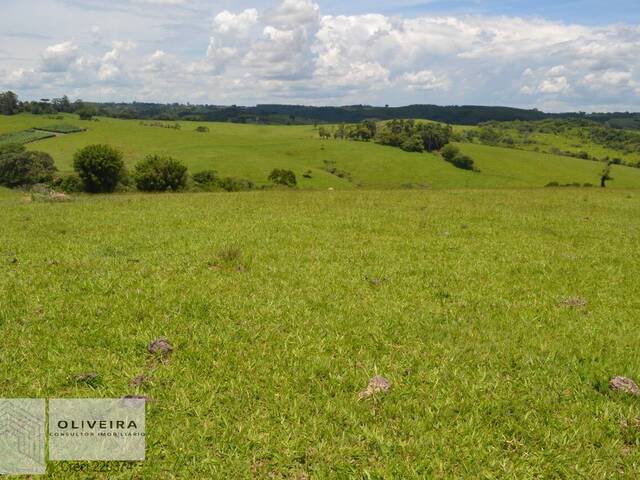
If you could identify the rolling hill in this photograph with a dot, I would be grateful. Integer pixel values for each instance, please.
(252, 151)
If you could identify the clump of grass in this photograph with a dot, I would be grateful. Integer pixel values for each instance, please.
(228, 256)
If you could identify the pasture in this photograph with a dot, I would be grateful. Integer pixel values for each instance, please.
(498, 316)
(253, 151)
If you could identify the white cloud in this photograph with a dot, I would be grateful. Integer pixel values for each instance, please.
(294, 53)
(227, 23)
(426, 80)
(59, 57)
(555, 85)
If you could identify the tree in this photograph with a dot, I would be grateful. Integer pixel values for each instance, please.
(19, 167)
(605, 176)
(283, 177)
(324, 133)
(87, 112)
(413, 144)
(100, 167)
(9, 103)
(62, 105)
(157, 173)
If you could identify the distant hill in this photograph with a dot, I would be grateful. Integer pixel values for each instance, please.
(305, 115)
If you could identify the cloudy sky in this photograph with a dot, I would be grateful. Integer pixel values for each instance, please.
(556, 55)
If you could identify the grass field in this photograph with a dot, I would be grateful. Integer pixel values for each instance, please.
(251, 151)
(281, 306)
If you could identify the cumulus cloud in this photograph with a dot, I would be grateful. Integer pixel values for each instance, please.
(425, 80)
(59, 57)
(227, 23)
(295, 53)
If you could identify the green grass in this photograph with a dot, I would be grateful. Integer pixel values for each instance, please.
(252, 151)
(569, 141)
(276, 327)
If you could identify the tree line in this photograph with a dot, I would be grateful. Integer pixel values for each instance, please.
(302, 114)
(408, 135)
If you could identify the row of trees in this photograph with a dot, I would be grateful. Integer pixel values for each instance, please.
(101, 169)
(10, 104)
(408, 135)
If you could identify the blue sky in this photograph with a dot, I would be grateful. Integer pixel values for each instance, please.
(553, 55)
(591, 12)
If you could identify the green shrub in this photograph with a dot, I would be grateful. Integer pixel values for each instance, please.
(100, 167)
(202, 129)
(464, 162)
(206, 177)
(67, 183)
(283, 177)
(231, 184)
(20, 168)
(449, 152)
(157, 173)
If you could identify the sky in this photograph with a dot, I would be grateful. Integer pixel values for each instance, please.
(553, 55)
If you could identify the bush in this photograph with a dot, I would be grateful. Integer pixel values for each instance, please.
(67, 183)
(464, 162)
(19, 167)
(157, 173)
(449, 152)
(100, 167)
(202, 129)
(206, 177)
(231, 184)
(283, 177)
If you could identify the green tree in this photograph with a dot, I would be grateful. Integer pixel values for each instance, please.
(9, 104)
(413, 144)
(62, 105)
(100, 167)
(157, 173)
(19, 167)
(87, 112)
(605, 176)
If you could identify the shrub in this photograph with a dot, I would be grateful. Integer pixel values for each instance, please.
(157, 173)
(231, 184)
(68, 183)
(449, 152)
(464, 162)
(206, 177)
(19, 167)
(283, 177)
(100, 167)
(202, 129)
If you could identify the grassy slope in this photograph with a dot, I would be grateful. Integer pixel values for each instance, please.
(570, 141)
(253, 151)
(492, 377)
